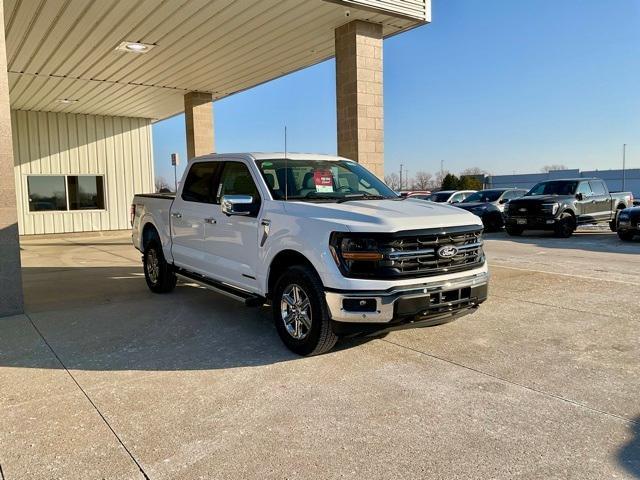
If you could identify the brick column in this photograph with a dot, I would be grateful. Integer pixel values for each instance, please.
(198, 116)
(359, 94)
(10, 271)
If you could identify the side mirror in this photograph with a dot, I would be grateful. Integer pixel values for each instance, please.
(503, 201)
(236, 204)
(579, 196)
(455, 201)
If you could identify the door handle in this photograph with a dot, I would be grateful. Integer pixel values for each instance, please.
(212, 221)
(176, 215)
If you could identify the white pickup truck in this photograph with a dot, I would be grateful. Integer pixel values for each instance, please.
(333, 249)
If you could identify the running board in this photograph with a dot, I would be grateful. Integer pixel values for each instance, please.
(249, 299)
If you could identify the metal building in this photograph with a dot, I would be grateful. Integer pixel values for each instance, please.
(83, 80)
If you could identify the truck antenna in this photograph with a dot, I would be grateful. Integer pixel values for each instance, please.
(286, 167)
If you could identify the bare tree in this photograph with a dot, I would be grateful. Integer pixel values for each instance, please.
(393, 180)
(162, 186)
(473, 171)
(422, 180)
(549, 168)
(436, 183)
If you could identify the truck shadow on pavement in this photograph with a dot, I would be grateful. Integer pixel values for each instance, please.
(588, 240)
(629, 454)
(105, 318)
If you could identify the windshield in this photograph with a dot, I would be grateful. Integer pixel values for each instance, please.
(322, 180)
(440, 197)
(556, 187)
(484, 196)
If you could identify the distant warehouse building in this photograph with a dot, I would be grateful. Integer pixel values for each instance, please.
(613, 178)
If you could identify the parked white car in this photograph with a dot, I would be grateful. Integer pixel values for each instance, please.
(333, 249)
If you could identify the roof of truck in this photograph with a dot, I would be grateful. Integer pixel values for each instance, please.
(273, 156)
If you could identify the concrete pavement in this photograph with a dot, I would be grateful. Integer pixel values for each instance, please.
(102, 379)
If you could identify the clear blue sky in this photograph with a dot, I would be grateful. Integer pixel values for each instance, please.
(503, 85)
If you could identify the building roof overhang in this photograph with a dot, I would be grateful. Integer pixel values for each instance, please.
(62, 55)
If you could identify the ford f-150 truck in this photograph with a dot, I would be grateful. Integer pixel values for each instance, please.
(562, 205)
(332, 248)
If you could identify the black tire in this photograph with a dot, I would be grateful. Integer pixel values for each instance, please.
(317, 339)
(613, 224)
(492, 223)
(513, 230)
(625, 235)
(160, 278)
(565, 226)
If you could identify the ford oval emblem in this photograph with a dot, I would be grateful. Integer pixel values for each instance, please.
(447, 251)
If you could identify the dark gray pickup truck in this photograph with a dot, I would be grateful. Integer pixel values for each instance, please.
(562, 205)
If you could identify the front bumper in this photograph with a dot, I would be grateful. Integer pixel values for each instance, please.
(533, 223)
(410, 302)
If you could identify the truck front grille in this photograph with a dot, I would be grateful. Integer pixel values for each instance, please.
(432, 253)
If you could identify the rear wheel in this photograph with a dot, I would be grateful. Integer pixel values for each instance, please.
(625, 235)
(513, 230)
(157, 272)
(300, 312)
(613, 224)
(565, 226)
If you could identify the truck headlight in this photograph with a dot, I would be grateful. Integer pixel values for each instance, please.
(355, 254)
(551, 208)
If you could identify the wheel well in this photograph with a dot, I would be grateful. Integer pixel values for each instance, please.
(282, 261)
(570, 212)
(621, 206)
(148, 233)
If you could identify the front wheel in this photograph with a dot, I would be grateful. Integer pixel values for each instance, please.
(157, 272)
(492, 222)
(625, 235)
(565, 226)
(300, 312)
(513, 230)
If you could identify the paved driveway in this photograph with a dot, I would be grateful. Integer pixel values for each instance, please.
(102, 379)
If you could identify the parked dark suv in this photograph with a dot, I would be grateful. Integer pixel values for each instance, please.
(562, 205)
(489, 205)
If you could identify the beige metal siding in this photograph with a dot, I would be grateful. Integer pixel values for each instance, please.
(119, 148)
(416, 9)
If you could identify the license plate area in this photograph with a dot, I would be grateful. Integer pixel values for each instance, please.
(521, 221)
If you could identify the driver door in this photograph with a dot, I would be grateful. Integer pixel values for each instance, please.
(586, 206)
(231, 242)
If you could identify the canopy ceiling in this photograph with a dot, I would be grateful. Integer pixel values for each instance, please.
(65, 49)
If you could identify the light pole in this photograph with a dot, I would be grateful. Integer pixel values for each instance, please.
(624, 164)
(401, 176)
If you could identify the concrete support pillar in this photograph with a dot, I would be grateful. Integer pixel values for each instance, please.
(198, 113)
(10, 271)
(358, 46)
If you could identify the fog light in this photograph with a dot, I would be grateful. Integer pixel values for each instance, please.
(359, 304)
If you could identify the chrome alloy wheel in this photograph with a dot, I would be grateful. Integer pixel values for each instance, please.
(153, 266)
(295, 310)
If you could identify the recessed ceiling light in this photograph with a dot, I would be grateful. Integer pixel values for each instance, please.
(66, 101)
(134, 47)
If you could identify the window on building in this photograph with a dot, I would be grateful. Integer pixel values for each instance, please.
(47, 193)
(65, 192)
(86, 192)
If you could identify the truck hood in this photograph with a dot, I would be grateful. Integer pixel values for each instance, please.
(537, 199)
(471, 205)
(384, 215)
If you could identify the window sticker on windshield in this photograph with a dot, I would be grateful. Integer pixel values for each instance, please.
(323, 181)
